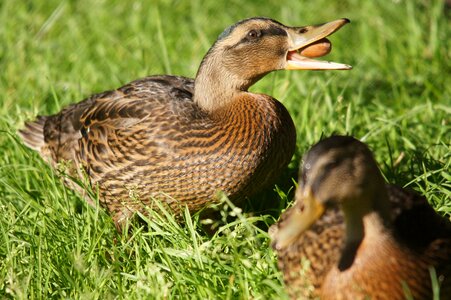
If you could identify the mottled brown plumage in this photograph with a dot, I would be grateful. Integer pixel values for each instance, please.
(373, 241)
(182, 140)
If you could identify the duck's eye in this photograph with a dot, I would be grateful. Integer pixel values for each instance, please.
(253, 34)
(330, 165)
(303, 30)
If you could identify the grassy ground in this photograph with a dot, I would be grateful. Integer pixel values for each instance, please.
(52, 53)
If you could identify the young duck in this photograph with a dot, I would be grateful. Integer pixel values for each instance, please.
(351, 236)
(182, 140)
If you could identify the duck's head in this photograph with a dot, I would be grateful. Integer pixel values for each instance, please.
(249, 49)
(339, 170)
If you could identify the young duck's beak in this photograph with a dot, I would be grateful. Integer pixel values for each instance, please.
(299, 218)
(310, 41)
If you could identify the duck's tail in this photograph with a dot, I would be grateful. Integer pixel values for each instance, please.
(33, 133)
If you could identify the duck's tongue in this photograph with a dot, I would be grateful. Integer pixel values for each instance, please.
(319, 48)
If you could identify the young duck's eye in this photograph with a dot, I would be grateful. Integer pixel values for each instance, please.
(330, 165)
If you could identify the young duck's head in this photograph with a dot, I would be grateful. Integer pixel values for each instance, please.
(339, 170)
(249, 49)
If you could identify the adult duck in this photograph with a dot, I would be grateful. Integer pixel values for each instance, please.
(182, 140)
(351, 236)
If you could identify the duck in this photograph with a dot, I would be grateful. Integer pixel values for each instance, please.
(183, 141)
(350, 235)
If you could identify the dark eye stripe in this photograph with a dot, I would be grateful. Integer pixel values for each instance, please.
(274, 30)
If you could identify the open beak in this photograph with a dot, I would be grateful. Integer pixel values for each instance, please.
(296, 220)
(310, 41)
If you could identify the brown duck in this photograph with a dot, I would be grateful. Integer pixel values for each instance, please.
(351, 236)
(182, 140)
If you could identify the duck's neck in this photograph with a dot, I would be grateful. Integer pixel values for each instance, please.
(364, 223)
(364, 218)
(354, 228)
(215, 85)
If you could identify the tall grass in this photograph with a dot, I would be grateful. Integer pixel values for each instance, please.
(52, 53)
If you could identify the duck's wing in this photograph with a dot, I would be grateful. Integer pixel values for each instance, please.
(87, 125)
(56, 137)
(421, 229)
(139, 123)
(415, 221)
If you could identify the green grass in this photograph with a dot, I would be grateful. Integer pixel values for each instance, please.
(52, 53)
